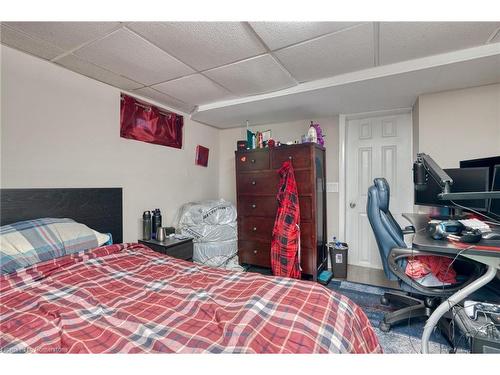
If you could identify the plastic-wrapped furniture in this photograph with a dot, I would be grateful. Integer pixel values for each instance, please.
(212, 225)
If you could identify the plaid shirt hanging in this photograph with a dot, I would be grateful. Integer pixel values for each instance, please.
(285, 245)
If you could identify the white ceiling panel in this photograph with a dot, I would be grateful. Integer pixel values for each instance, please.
(24, 42)
(330, 55)
(401, 41)
(93, 71)
(131, 56)
(65, 35)
(281, 34)
(400, 91)
(194, 89)
(202, 45)
(165, 99)
(253, 76)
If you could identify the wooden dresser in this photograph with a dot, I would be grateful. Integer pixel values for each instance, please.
(257, 182)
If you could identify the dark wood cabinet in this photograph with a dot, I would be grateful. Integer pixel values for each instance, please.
(257, 183)
(180, 249)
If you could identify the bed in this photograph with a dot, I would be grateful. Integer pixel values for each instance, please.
(126, 298)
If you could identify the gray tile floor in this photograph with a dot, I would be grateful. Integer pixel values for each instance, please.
(370, 276)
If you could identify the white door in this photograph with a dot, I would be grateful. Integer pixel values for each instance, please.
(376, 147)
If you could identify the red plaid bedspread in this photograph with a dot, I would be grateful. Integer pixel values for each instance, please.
(128, 299)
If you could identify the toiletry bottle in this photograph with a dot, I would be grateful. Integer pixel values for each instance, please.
(146, 225)
(312, 134)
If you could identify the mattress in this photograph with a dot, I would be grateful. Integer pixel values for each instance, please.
(126, 298)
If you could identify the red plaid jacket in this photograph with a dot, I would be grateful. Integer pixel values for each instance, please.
(285, 245)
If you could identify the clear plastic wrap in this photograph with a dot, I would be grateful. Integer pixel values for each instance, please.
(212, 225)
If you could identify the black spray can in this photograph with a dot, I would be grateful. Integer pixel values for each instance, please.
(146, 225)
(156, 221)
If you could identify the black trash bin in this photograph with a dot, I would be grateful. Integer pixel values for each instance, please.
(338, 258)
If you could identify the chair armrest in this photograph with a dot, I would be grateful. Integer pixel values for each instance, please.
(410, 229)
(399, 253)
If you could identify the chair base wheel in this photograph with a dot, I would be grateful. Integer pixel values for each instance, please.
(384, 327)
(384, 301)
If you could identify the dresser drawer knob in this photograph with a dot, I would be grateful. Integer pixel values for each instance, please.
(254, 182)
(255, 251)
(252, 161)
(254, 229)
(254, 205)
(290, 158)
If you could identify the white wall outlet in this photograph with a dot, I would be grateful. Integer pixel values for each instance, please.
(332, 187)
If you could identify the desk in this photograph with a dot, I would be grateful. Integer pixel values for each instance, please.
(485, 252)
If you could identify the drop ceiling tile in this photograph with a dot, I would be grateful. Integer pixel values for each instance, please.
(194, 89)
(65, 35)
(165, 99)
(281, 34)
(401, 41)
(330, 55)
(127, 54)
(25, 43)
(202, 45)
(496, 37)
(253, 76)
(93, 71)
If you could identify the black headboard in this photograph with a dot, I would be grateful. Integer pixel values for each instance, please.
(99, 208)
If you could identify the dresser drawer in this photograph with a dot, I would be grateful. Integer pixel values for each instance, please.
(255, 228)
(267, 206)
(307, 261)
(261, 229)
(255, 253)
(258, 183)
(267, 182)
(259, 254)
(257, 206)
(252, 161)
(300, 157)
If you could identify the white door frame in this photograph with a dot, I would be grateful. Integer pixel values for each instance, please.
(343, 119)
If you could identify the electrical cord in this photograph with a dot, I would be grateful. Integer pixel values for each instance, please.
(476, 212)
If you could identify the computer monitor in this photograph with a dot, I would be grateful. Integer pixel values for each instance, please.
(464, 180)
(483, 162)
(495, 186)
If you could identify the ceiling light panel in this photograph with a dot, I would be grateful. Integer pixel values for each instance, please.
(281, 34)
(129, 55)
(330, 55)
(194, 89)
(253, 76)
(202, 45)
(401, 41)
(65, 35)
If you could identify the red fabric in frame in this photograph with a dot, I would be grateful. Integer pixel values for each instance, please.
(146, 123)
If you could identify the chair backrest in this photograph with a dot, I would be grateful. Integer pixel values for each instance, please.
(387, 231)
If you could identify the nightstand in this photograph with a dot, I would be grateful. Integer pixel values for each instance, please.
(180, 249)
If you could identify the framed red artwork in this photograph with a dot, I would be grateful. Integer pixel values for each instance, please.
(201, 156)
(147, 123)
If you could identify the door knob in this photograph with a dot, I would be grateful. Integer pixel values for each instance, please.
(352, 204)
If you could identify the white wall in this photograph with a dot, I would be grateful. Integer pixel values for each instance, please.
(459, 124)
(61, 129)
(283, 132)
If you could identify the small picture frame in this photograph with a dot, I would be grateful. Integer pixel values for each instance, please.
(201, 156)
(266, 135)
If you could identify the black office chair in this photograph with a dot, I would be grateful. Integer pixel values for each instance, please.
(418, 300)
